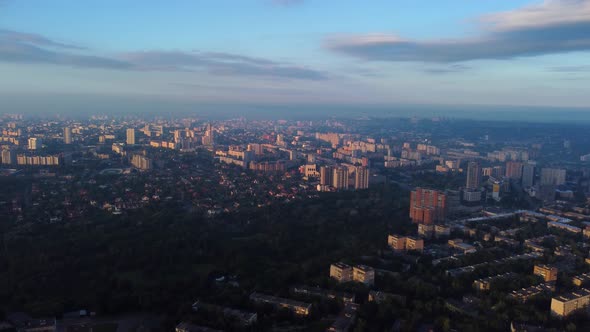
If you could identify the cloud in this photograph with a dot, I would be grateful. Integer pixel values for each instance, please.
(9, 36)
(450, 69)
(33, 48)
(29, 48)
(220, 64)
(546, 28)
(571, 69)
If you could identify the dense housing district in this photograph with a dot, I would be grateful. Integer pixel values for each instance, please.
(189, 224)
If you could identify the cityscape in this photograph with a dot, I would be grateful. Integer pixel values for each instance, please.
(294, 166)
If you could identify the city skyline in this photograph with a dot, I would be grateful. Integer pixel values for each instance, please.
(265, 52)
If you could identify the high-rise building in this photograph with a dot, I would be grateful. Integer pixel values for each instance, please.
(552, 176)
(473, 175)
(141, 162)
(326, 175)
(361, 177)
(528, 174)
(498, 171)
(131, 136)
(209, 138)
(34, 143)
(257, 148)
(68, 135)
(427, 206)
(340, 178)
(514, 170)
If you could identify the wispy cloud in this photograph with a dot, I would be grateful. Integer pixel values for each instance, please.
(220, 64)
(15, 37)
(34, 48)
(546, 28)
(447, 69)
(571, 69)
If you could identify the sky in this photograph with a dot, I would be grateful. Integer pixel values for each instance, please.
(286, 52)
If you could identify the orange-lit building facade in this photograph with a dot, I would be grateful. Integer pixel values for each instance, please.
(427, 206)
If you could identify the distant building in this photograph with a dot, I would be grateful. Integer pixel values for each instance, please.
(209, 137)
(581, 279)
(341, 272)
(324, 293)
(566, 304)
(68, 135)
(361, 177)
(311, 171)
(34, 143)
(403, 243)
(473, 175)
(236, 156)
(441, 231)
(345, 319)
(413, 243)
(552, 176)
(257, 148)
(549, 273)
(514, 170)
(363, 274)
(427, 206)
(130, 136)
(326, 175)
(472, 196)
(465, 248)
(36, 160)
(267, 166)
(396, 242)
(141, 162)
(8, 157)
(484, 284)
(425, 231)
(564, 226)
(340, 178)
(525, 294)
(498, 171)
(297, 307)
(528, 174)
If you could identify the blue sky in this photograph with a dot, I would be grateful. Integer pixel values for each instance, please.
(300, 51)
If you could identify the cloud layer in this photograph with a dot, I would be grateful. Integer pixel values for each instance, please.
(33, 48)
(550, 27)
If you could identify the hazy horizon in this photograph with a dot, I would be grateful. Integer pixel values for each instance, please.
(525, 52)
